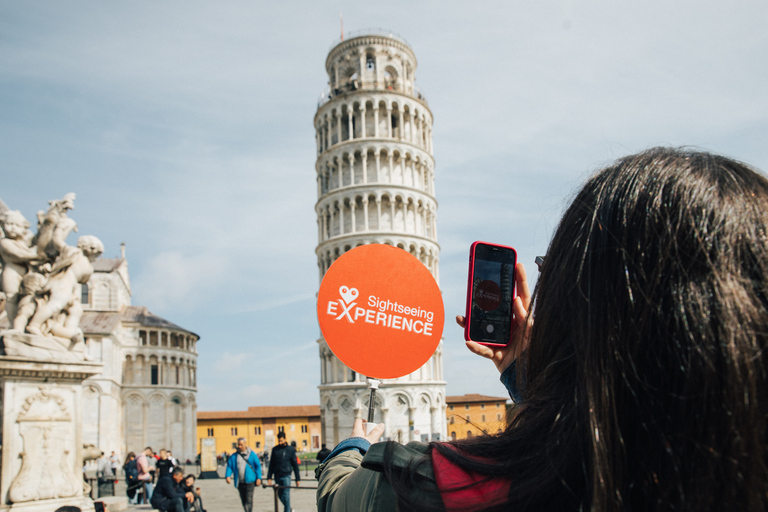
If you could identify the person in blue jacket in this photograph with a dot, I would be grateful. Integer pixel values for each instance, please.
(245, 468)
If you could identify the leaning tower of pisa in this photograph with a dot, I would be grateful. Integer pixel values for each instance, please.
(375, 184)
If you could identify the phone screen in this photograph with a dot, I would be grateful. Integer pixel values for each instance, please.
(493, 290)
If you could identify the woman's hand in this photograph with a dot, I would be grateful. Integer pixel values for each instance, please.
(358, 430)
(504, 356)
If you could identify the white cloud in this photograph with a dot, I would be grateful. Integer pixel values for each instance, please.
(181, 280)
(229, 362)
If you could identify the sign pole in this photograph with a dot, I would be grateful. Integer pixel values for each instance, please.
(373, 385)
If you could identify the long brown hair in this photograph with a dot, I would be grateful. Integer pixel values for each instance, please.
(645, 380)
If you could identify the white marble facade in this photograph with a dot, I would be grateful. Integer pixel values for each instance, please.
(146, 393)
(375, 184)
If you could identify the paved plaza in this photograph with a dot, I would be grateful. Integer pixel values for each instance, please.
(218, 496)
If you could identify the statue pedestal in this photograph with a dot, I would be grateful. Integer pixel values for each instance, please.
(42, 431)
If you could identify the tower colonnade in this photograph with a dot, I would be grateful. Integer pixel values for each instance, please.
(374, 117)
(375, 162)
(375, 184)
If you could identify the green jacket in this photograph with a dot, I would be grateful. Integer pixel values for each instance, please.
(350, 482)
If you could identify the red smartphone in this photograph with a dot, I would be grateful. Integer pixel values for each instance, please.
(490, 292)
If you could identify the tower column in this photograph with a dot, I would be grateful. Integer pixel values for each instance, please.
(362, 121)
(349, 124)
(337, 116)
(351, 156)
(365, 213)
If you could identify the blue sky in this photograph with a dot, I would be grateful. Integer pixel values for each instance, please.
(185, 128)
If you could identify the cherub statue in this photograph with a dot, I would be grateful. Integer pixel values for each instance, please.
(17, 256)
(54, 226)
(61, 308)
(31, 285)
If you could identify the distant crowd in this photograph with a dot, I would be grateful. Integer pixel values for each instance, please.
(159, 480)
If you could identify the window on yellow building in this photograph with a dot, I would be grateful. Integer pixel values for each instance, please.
(452, 420)
(468, 419)
(281, 429)
(234, 446)
(257, 431)
(304, 442)
(466, 406)
(483, 417)
(233, 431)
(304, 429)
(258, 444)
(210, 432)
(469, 433)
(450, 407)
(453, 435)
(482, 406)
(498, 405)
(498, 416)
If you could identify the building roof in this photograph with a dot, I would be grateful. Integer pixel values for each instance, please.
(262, 412)
(142, 315)
(99, 322)
(107, 264)
(473, 397)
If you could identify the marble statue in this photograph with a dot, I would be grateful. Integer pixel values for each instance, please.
(41, 279)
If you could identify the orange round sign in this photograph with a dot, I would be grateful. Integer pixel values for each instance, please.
(380, 311)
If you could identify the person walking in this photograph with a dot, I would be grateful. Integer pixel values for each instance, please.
(322, 454)
(131, 478)
(142, 463)
(244, 467)
(281, 462)
(164, 466)
(114, 463)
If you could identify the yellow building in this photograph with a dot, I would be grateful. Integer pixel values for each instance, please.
(470, 415)
(260, 426)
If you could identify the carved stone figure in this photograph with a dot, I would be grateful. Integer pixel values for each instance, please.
(17, 256)
(62, 305)
(47, 467)
(41, 278)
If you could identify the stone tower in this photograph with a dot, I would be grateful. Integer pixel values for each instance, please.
(375, 184)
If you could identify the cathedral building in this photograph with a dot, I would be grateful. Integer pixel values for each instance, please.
(146, 393)
(375, 184)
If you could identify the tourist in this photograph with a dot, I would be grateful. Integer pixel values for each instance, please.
(322, 454)
(170, 496)
(104, 469)
(642, 370)
(145, 476)
(164, 466)
(189, 486)
(132, 482)
(114, 462)
(281, 462)
(244, 467)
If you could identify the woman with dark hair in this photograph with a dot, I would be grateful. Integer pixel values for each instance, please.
(643, 377)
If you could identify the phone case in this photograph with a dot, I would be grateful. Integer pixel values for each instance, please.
(470, 280)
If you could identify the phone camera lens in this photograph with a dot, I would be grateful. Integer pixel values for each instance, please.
(489, 328)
